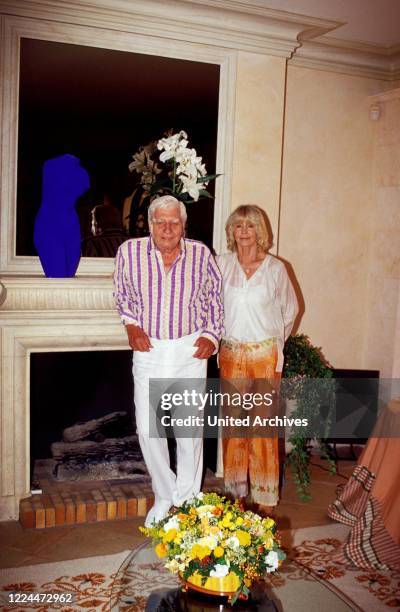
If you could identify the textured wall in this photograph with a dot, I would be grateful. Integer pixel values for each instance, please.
(327, 206)
(258, 133)
(383, 325)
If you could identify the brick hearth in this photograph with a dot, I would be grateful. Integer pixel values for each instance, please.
(85, 502)
(72, 503)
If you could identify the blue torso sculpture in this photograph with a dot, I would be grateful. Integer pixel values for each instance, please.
(57, 235)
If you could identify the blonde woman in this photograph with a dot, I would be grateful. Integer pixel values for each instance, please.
(260, 308)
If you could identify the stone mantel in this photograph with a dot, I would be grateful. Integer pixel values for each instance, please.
(35, 294)
(43, 315)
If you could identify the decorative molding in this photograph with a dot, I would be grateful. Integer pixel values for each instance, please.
(13, 29)
(357, 59)
(231, 24)
(58, 294)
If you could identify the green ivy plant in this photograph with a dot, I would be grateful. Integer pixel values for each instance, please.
(314, 402)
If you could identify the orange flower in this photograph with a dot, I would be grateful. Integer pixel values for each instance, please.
(161, 550)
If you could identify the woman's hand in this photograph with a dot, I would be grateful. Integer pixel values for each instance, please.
(205, 348)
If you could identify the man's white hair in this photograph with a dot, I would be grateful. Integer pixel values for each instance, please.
(167, 201)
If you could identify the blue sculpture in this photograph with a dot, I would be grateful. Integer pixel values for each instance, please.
(57, 235)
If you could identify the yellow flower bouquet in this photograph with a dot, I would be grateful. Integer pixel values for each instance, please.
(215, 546)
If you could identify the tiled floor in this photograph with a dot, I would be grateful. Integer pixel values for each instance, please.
(21, 547)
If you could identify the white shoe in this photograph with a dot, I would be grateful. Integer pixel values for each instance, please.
(179, 501)
(157, 512)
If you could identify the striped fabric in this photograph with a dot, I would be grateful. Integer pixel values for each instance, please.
(169, 305)
(369, 543)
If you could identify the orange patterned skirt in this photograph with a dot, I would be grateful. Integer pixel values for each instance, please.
(251, 465)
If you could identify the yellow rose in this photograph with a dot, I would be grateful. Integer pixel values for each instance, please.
(170, 535)
(239, 520)
(268, 539)
(199, 552)
(218, 551)
(160, 550)
(243, 537)
(268, 523)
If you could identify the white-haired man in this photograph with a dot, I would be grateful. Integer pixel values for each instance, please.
(168, 295)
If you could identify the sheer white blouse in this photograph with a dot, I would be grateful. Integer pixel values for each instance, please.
(261, 307)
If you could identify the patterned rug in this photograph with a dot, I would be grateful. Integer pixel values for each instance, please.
(309, 580)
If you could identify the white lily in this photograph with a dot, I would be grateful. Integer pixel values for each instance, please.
(191, 187)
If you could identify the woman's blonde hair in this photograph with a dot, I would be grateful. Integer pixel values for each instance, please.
(255, 215)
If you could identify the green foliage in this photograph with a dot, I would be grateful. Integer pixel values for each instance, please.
(314, 402)
(304, 359)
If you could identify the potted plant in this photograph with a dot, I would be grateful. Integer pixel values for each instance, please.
(307, 379)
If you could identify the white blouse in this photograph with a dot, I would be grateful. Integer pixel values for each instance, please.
(261, 307)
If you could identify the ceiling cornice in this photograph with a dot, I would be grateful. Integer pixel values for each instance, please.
(230, 24)
(359, 59)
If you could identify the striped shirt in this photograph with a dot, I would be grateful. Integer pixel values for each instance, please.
(169, 305)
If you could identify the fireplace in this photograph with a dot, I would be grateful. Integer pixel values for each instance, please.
(39, 315)
(82, 418)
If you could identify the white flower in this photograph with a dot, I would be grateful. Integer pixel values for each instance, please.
(219, 571)
(172, 523)
(191, 186)
(185, 173)
(233, 542)
(272, 560)
(172, 145)
(205, 510)
(210, 541)
(173, 566)
(200, 495)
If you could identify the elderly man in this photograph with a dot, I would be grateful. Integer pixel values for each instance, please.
(168, 295)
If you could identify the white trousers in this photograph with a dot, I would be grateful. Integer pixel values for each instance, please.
(168, 359)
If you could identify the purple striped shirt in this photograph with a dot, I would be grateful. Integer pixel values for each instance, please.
(169, 305)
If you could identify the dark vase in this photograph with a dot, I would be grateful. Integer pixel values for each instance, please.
(57, 235)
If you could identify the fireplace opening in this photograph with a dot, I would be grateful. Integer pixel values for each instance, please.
(82, 417)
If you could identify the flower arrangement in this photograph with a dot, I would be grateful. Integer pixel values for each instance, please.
(215, 545)
(183, 174)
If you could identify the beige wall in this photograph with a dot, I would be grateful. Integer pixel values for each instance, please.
(260, 89)
(383, 324)
(327, 206)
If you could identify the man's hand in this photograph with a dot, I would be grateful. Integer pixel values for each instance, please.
(138, 339)
(205, 348)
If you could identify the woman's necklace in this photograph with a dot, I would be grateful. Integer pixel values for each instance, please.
(250, 267)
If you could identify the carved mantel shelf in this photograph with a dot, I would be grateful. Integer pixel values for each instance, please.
(39, 295)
